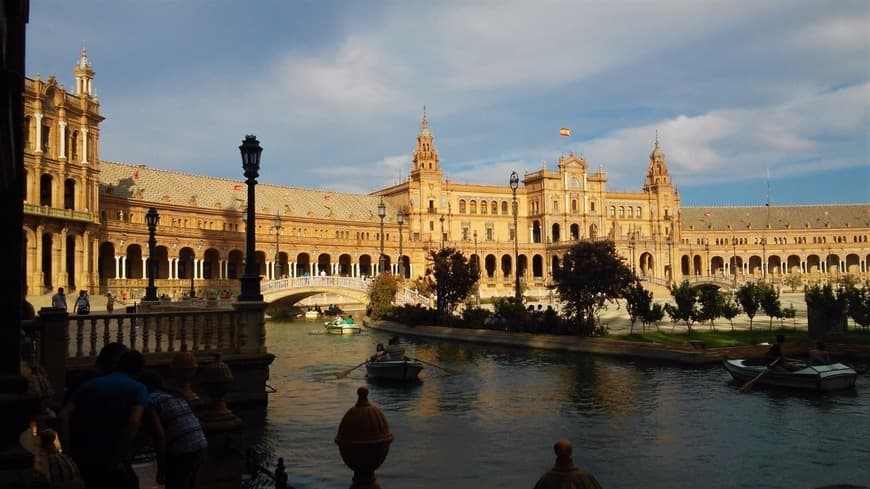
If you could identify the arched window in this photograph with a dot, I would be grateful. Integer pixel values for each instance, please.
(621, 211)
(613, 211)
(637, 213)
(473, 207)
(494, 207)
(630, 211)
(504, 207)
(462, 206)
(574, 205)
(483, 207)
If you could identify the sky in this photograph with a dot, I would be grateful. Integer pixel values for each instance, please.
(751, 100)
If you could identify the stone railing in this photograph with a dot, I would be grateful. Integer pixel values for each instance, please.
(64, 341)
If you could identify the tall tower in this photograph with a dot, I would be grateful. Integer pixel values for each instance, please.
(657, 176)
(425, 164)
(84, 75)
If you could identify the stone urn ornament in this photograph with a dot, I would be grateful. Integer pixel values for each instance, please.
(363, 440)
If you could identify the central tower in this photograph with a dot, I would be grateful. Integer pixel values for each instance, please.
(425, 165)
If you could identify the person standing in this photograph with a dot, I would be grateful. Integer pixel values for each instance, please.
(100, 422)
(110, 303)
(179, 438)
(58, 301)
(83, 303)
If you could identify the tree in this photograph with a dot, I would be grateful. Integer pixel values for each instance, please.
(826, 310)
(686, 304)
(712, 303)
(452, 278)
(730, 311)
(748, 297)
(382, 293)
(592, 274)
(858, 300)
(654, 315)
(768, 297)
(637, 301)
(793, 281)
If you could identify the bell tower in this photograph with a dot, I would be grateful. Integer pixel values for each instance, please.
(424, 164)
(84, 75)
(657, 176)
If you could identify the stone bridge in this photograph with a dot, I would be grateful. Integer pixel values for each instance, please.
(294, 289)
(726, 283)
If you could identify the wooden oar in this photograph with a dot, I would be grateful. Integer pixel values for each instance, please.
(748, 385)
(344, 373)
(448, 370)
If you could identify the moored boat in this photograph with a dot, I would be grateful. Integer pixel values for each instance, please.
(819, 378)
(312, 314)
(394, 370)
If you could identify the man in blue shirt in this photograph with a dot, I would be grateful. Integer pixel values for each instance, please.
(101, 420)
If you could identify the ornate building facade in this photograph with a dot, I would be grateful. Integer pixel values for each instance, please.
(85, 220)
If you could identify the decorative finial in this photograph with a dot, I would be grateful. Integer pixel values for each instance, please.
(425, 119)
(83, 59)
(657, 138)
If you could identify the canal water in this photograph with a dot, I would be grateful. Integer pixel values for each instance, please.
(633, 424)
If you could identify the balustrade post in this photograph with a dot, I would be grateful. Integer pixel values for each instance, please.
(54, 349)
(251, 319)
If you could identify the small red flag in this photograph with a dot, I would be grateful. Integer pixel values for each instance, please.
(136, 175)
(707, 214)
(237, 187)
(325, 197)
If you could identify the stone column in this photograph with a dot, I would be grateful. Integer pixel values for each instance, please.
(252, 326)
(55, 348)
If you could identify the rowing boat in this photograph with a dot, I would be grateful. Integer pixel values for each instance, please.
(819, 378)
(333, 327)
(394, 370)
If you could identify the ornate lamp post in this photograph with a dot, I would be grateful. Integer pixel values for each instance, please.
(707, 251)
(277, 224)
(477, 266)
(442, 231)
(514, 183)
(151, 219)
(382, 213)
(251, 151)
(670, 241)
(400, 220)
(734, 258)
(632, 240)
(192, 273)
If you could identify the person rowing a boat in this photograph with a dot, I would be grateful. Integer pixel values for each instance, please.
(774, 354)
(380, 355)
(395, 349)
(819, 355)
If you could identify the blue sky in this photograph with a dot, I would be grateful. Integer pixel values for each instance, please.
(335, 90)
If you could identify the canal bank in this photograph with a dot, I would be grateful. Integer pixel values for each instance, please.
(694, 353)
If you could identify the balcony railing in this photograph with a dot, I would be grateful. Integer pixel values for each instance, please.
(44, 210)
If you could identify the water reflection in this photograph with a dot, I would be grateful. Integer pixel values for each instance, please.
(633, 424)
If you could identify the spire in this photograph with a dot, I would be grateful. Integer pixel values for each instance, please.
(425, 125)
(84, 74)
(657, 172)
(425, 158)
(83, 59)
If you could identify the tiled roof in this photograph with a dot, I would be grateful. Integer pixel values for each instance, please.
(138, 182)
(780, 217)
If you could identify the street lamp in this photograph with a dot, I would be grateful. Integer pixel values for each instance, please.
(277, 224)
(734, 259)
(670, 241)
(442, 230)
(251, 151)
(151, 218)
(477, 266)
(192, 293)
(707, 250)
(400, 220)
(632, 240)
(382, 213)
(514, 183)
(764, 259)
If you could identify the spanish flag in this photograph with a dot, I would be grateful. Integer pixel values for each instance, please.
(564, 132)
